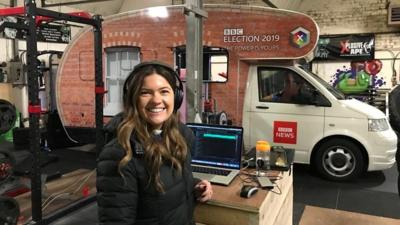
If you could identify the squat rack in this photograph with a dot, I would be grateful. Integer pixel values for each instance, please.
(33, 17)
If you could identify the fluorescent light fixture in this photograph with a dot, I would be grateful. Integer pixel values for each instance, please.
(159, 11)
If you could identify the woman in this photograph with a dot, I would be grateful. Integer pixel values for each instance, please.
(144, 173)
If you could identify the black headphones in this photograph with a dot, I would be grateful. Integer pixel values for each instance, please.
(178, 91)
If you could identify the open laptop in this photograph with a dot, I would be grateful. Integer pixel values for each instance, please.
(217, 152)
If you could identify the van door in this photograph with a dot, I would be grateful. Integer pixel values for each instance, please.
(281, 111)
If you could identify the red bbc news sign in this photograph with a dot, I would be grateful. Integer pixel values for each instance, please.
(285, 132)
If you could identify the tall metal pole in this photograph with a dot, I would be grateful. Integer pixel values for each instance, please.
(14, 42)
(99, 84)
(34, 111)
(194, 57)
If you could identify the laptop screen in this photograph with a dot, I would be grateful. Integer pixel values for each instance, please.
(217, 145)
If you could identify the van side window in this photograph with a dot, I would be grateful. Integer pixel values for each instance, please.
(119, 62)
(283, 85)
(215, 63)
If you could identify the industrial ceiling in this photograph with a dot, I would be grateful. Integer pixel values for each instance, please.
(110, 7)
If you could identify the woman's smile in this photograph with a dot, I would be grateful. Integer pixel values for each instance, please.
(156, 101)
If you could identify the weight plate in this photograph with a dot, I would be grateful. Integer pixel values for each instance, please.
(7, 116)
(7, 163)
(222, 118)
(9, 211)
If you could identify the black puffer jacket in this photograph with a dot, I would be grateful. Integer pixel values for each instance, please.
(398, 162)
(131, 200)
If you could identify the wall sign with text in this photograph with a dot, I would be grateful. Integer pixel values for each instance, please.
(45, 32)
(353, 47)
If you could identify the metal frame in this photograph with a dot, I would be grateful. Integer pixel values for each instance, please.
(44, 4)
(34, 16)
(194, 57)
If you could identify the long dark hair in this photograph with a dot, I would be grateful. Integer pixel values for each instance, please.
(171, 147)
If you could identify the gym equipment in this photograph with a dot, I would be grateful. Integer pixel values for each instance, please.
(8, 118)
(33, 17)
(220, 118)
(211, 116)
(9, 211)
(7, 164)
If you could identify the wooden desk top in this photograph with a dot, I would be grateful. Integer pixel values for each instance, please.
(229, 196)
(266, 207)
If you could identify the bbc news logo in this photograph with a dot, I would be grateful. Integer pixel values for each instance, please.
(285, 132)
(233, 31)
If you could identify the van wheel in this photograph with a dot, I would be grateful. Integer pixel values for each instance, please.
(339, 160)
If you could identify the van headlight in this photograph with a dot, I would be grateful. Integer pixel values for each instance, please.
(377, 125)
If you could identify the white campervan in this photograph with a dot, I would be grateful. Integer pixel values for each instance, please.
(342, 137)
(297, 109)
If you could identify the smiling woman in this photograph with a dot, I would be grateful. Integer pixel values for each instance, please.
(156, 100)
(150, 156)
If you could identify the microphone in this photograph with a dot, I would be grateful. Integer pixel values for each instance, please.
(157, 135)
(157, 132)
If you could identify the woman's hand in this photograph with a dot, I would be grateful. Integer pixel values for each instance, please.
(203, 191)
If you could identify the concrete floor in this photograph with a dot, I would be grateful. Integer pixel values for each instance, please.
(374, 193)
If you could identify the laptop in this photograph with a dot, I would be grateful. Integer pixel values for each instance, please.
(217, 152)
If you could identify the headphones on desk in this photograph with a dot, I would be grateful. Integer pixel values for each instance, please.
(178, 89)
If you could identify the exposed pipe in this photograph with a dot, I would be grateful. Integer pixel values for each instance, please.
(14, 42)
(44, 4)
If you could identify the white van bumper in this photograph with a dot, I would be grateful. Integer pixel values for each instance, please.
(382, 150)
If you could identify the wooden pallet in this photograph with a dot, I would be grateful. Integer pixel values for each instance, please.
(60, 192)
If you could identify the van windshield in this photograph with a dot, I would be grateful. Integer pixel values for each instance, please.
(338, 94)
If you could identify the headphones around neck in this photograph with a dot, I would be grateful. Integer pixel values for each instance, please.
(178, 90)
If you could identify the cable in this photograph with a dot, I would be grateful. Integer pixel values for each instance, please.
(246, 163)
(275, 178)
(69, 137)
(246, 177)
(23, 57)
(58, 195)
(71, 185)
(63, 192)
(55, 198)
(279, 192)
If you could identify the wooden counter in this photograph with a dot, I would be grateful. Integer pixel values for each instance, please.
(265, 207)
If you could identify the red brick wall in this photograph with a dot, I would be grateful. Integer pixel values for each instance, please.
(156, 39)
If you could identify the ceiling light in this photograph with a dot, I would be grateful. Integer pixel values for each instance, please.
(159, 11)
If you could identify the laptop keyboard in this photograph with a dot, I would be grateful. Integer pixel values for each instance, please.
(200, 169)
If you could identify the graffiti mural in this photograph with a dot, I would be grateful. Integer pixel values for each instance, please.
(358, 77)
